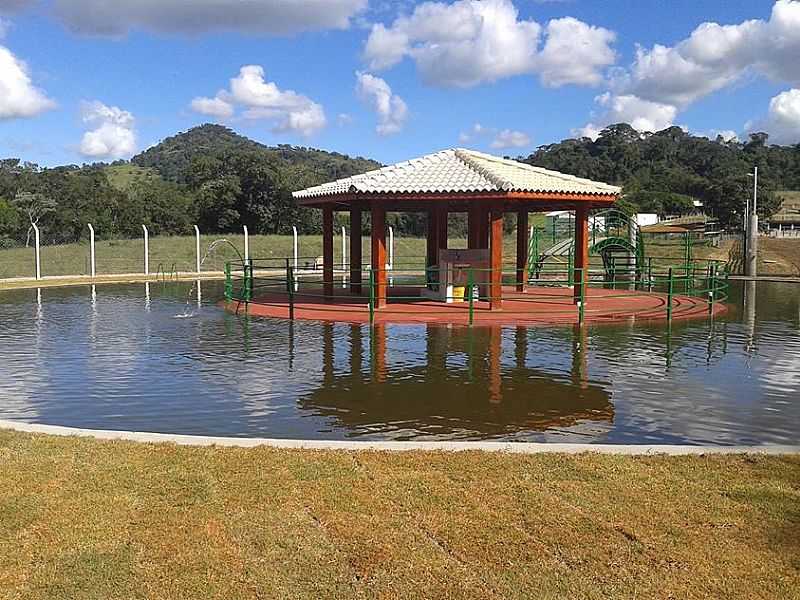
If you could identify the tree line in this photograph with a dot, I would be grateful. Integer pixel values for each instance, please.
(220, 180)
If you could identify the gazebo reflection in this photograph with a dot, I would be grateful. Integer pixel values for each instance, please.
(467, 384)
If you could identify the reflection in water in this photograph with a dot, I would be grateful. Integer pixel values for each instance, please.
(432, 396)
(95, 358)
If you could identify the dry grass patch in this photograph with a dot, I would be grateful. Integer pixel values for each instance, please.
(90, 519)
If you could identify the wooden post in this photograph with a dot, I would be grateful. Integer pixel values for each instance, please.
(441, 223)
(496, 260)
(432, 243)
(581, 264)
(327, 252)
(355, 250)
(522, 250)
(483, 226)
(379, 253)
(473, 226)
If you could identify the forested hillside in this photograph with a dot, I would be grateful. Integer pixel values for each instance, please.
(664, 171)
(208, 175)
(220, 180)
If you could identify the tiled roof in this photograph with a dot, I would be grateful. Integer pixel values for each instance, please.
(459, 170)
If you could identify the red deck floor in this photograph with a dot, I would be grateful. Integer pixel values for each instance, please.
(535, 306)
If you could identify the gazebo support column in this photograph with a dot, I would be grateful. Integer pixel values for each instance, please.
(432, 245)
(581, 275)
(483, 226)
(441, 225)
(522, 250)
(327, 252)
(473, 226)
(379, 254)
(496, 260)
(355, 250)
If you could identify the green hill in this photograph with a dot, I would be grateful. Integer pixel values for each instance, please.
(173, 157)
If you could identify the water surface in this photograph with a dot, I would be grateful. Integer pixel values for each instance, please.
(127, 357)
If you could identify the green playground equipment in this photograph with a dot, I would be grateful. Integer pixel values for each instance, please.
(613, 236)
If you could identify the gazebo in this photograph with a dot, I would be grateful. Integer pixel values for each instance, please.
(455, 180)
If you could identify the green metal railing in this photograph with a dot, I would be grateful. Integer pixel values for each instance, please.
(276, 282)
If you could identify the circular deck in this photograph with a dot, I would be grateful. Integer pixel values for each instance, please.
(535, 306)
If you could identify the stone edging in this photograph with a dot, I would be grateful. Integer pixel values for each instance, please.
(511, 447)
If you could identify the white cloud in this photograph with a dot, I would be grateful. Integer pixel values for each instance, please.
(715, 56)
(470, 42)
(782, 122)
(213, 107)
(391, 109)
(575, 53)
(18, 96)
(4, 27)
(101, 17)
(511, 139)
(113, 135)
(477, 130)
(642, 115)
(261, 99)
(344, 119)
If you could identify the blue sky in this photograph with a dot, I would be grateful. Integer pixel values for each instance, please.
(389, 80)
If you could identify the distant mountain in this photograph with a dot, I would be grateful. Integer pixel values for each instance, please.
(172, 158)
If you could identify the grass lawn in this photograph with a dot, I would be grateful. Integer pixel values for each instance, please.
(88, 519)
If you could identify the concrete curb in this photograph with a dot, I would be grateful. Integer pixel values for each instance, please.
(510, 447)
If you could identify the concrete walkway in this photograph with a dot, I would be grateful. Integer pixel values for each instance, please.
(513, 447)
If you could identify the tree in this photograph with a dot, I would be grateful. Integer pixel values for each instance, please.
(34, 207)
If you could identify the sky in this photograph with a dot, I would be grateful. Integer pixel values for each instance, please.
(92, 80)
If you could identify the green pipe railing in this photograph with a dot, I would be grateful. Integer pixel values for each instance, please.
(267, 281)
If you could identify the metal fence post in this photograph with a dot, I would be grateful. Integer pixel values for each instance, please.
(92, 270)
(250, 279)
(290, 285)
(228, 282)
(146, 250)
(712, 289)
(471, 292)
(371, 295)
(669, 295)
(246, 243)
(294, 245)
(344, 257)
(37, 251)
(582, 298)
(197, 248)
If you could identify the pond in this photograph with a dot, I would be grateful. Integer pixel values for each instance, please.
(139, 357)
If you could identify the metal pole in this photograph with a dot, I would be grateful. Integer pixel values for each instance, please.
(294, 245)
(146, 250)
(582, 299)
(344, 257)
(470, 291)
(37, 251)
(391, 247)
(228, 282)
(91, 251)
(290, 283)
(246, 244)
(371, 295)
(669, 296)
(197, 247)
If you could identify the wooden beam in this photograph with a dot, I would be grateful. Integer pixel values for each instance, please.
(496, 261)
(379, 254)
(522, 250)
(327, 252)
(581, 275)
(355, 250)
